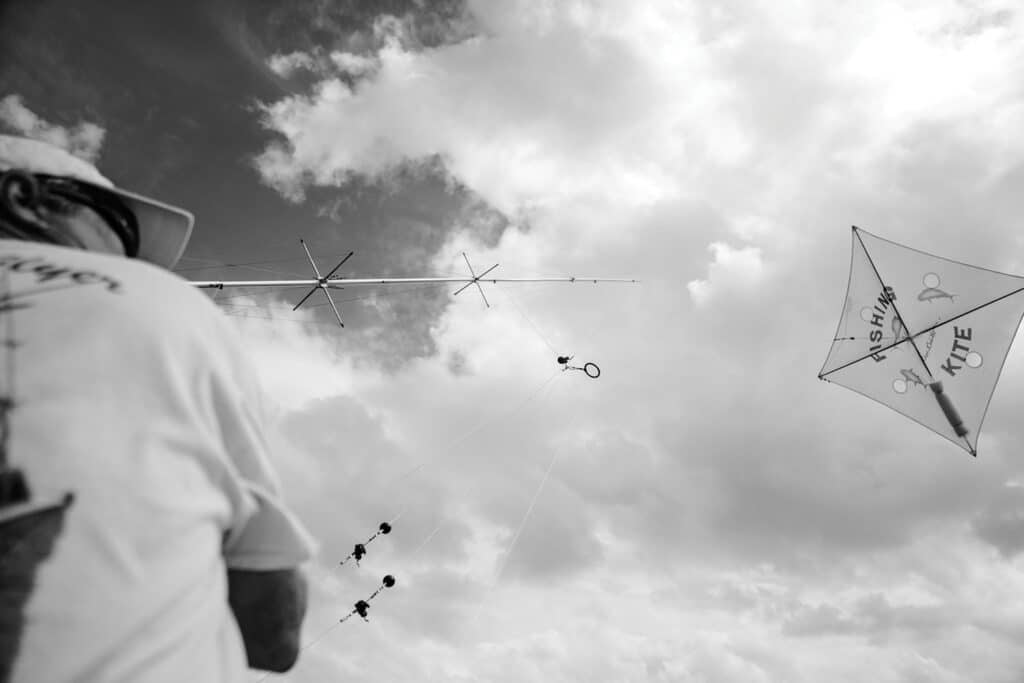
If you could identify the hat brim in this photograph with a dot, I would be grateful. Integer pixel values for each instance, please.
(164, 230)
(10, 513)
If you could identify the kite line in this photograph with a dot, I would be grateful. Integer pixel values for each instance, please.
(329, 281)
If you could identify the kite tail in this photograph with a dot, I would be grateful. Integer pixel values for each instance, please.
(949, 410)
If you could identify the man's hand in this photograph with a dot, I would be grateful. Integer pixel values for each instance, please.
(269, 607)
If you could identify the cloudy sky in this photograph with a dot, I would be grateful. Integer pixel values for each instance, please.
(707, 510)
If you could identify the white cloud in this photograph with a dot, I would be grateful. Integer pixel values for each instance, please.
(84, 139)
(353, 64)
(285, 65)
(714, 511)
(465, 93)
(731, 269)
(348, 63)
(297, 367)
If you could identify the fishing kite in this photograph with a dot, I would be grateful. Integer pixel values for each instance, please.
(925, 335)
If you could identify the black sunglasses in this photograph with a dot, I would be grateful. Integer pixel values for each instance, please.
(61, 193)
(104, 203)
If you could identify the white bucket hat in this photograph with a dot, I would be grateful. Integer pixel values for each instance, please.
(164, 230)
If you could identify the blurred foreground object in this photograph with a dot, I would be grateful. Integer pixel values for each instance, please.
(153, 424)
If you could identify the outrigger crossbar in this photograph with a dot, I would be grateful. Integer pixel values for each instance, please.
(325, 283)
(322, 282)
(475, 280)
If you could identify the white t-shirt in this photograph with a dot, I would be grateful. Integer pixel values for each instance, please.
(132, 391)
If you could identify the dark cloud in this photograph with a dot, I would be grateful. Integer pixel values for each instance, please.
(655, 669)
(941, 189)
(1001, 521)
(348, 24)
(397, 226)
(874, 617)
(981, 21)
(767, 489)
(819, 620)
(157, 76)
(707, 446)
(176, 92)
(456, 363)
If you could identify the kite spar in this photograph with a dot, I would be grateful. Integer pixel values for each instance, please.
(325, 283)
(925, 335)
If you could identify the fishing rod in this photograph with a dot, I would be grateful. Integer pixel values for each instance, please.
(327, 282)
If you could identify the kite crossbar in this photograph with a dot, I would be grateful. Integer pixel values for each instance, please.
(475, 279)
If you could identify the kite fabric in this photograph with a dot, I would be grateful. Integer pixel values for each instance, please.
(925, 335)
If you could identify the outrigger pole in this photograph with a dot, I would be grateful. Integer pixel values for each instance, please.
(325, 283)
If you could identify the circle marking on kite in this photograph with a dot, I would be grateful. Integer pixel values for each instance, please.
(974, 359)
(931, 280)
(899, 386)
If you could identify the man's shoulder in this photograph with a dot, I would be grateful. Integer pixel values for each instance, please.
(52, 267)
(103, 294)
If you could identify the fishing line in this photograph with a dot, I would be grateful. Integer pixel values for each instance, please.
(503, 563)
(221, 264)
(323, 634)
(526, 517)
(305, 647)
(275, 271)
(533, 503)
(509, 296)
(448, 447)
(422, 466)
(278, 271)
(213, 263)
(261, 306)
(448, 452)
(429, 538)
(263, 291)
(437, 529)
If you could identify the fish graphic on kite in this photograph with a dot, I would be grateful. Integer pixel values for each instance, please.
(925, 335)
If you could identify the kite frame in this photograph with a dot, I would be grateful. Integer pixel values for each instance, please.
(910, 337)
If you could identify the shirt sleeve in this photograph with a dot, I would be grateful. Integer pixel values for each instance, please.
(263, 534)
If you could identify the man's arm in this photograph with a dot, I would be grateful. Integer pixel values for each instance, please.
(269, 607)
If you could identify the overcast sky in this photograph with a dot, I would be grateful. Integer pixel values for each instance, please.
(707, 510)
